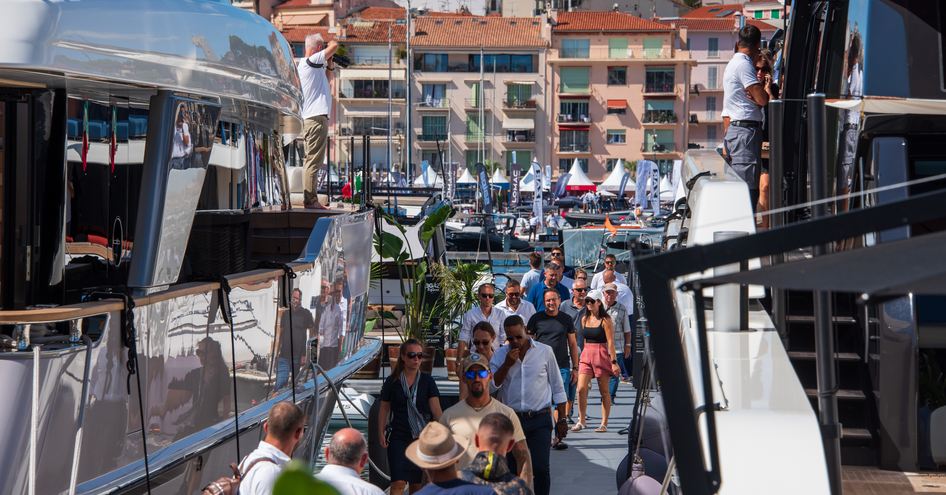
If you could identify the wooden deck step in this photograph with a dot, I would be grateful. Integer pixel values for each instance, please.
(810, 356)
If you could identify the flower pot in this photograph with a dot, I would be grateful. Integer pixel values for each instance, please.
(451, 363)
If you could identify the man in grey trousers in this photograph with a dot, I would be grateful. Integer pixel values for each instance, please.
(316, 107)
(743, 101)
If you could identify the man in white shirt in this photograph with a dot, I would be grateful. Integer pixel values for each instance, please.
(513, 304)
(852, 118)
(484, 311)
(743, 100)
(625, 296)
(347, 455)
(283, 430)
(316, 107)
(534, 275)
(331, 322)
(529, 380)
(610, 262)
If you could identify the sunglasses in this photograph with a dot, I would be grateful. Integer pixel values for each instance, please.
(590, 301)
(473, 375)
(512, 294)
(580, 289)
(557, 255)
(478, 343)
(608, 262)
(414, 355)
(486, 296)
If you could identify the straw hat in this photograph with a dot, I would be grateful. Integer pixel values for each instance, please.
(436, 448)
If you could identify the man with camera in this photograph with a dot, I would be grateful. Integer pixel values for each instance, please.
(316, 106)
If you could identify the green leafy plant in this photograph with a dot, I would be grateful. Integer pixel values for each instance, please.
(419, 312)
(458, 294)
(296, 479)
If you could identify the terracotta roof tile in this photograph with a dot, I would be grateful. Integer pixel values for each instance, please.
(380, 14)
(374, 32)
(476, 31)
(568, 22)
(295, 4)
(713, 11)
(298, 34)
(717, 25)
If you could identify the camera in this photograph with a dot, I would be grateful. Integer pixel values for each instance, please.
(341, 61)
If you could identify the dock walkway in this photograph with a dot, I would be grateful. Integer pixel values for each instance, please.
(588, 466)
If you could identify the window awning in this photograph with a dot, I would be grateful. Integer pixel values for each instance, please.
(617, 103)
(578, 127)
(376, 74)
(522, 83)
(575, 96)
(519, 124)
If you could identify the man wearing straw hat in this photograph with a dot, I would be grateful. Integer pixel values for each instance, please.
(436, 451)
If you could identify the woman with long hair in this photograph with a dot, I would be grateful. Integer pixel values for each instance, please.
(483, 336)
(598, 358)
(409, 400)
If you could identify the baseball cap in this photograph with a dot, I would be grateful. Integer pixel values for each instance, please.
(474, 359)
(611, 286)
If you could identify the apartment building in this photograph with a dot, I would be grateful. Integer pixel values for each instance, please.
(618, 87)
(368, 89)
(478, 90)
(711, 43)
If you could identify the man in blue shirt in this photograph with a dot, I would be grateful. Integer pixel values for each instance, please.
(537, 291)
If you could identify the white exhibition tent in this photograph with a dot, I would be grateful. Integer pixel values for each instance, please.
(578, 181)
(527, 183)
(613, 182)
(500, 180)
(433, 179)
(466, 178)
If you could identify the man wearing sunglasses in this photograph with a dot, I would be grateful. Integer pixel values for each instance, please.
(610, 263)
(463, 418)
(484, 311)
(557, 254)
(529, 382)
(513, 304)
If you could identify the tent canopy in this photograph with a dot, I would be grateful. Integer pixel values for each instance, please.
(890, 105)
(466, 177)
(914, 265)
(578, 180)
(433, 179)
(527, 183)
(613, 182)
(499, 180)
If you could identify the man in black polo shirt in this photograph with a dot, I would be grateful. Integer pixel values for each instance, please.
(557, 330)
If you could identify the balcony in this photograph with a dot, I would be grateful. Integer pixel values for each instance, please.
(432, 104)
(376, 62)
(432, 137)
(706, 117)
(705, 88)
(605, 54)
(370, 94)
(475, 104)
(573, 118)
(519, 139)
(659, 117)
(475, 137)
(574, 148)
(659, 88)
(658, 148)
(359, 130)
(514, 104)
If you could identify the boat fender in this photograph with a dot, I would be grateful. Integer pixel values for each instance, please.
(377, 454)
(644, 485)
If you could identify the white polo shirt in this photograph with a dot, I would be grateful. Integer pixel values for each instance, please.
(316, 94)
(739, 75)
(496, 318)
(346, 480)
(260, 479)
(525, 309)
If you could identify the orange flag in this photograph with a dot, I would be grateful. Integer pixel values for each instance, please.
(607, 224)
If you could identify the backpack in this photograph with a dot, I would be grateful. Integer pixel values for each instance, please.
(230, 485)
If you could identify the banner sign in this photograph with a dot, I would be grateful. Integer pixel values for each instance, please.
(623, 186)
(450, 179)
(560, 185)
(424, 165)
(539, 184)
(644, 170)
(514, 197)
(482, 178)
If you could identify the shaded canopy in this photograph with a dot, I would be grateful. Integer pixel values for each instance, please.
(613, 182)
(578, 181)
(466, 177)
(499, 180)
(433, 179)
(916, 265)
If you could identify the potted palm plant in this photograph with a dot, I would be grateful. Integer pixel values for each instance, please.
(457, 285)
(422, 310)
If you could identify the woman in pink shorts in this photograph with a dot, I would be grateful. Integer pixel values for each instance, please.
(598, 358)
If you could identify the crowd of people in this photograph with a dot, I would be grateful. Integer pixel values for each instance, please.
(524, 365)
